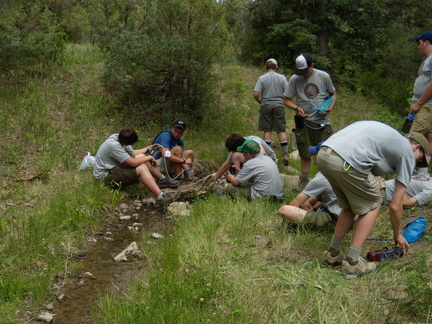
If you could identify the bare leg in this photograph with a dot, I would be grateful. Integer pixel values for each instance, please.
(292, 214)
(147, 179)
(305, 164)
(364, 226)
(267, 136)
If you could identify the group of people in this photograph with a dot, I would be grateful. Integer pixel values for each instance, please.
(348, 187)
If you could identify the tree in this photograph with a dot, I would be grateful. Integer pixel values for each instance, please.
(160, 53)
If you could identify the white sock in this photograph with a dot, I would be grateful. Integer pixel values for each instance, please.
(161, 178)
(160, 196)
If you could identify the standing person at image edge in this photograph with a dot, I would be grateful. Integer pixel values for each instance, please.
(309, 85)
(422, 95)
(268, 92)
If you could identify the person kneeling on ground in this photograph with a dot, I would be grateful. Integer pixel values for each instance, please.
(259, 176)
(235, 140)
(118, 164)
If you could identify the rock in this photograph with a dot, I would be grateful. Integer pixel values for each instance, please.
(157, 235)
(289, 180)
(127, 254)
(89, 275)
(125, 217)
(46, 317)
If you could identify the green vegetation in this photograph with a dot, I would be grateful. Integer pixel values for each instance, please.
(73, 73)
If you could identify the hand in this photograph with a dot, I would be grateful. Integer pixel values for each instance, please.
(153, 163)
(414, 108)
(301, 112)
(402, 243)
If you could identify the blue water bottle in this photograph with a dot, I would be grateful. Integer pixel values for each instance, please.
(414, 229)
(408, 123)
(325, 105)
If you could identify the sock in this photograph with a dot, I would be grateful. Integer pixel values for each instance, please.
(334, 247)
(268, 142)
(160, 196)
(284, 147)
(162, 178)
(353, 254)
(305, 175)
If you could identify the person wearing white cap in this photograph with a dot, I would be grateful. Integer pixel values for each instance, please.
(312, 89)
(421, 105)
(268, 92)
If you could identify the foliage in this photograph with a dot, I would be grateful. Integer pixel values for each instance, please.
(162, 57)
(31, 36)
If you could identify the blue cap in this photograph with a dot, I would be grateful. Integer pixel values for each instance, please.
(315, 149)
(426, 35)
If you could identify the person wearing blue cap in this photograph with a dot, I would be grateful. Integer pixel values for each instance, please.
(421, 105)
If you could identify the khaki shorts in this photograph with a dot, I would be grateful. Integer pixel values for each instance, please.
(272, 119)
(319, 220)
(165, 168)
(423, 120)
(306, 137)
(121, 175)
(243, 190)
(354, 190)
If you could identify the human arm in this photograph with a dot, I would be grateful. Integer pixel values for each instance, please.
(221, 170)
(329, 109)
(410, 202)
(427, 94)
(135, 162)
(257, 96)
(291, 105)
(231, 178)
(144, 150)
(396, 209)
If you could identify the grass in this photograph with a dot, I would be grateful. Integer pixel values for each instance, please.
(230, 261)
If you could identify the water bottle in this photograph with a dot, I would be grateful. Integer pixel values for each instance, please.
(232, 169)
(408, 122)
(414, 229)
(189, 174)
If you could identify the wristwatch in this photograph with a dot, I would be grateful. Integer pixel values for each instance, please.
(184, 161)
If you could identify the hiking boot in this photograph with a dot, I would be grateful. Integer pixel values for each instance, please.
(361, 268)
(285, 160)
(303, 181)
(333, 261)
(167, 183)
(169, 197)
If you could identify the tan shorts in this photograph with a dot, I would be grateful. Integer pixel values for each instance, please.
(354, 190)
(165, 168)
(423, 120)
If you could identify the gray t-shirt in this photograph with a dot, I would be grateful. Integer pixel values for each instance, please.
(372, 146)
(263, 174)
(315, 89)
(420, 189)
(271, 86)
(109, 155)
(261, 142)
(319, 186)
(423, 79)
